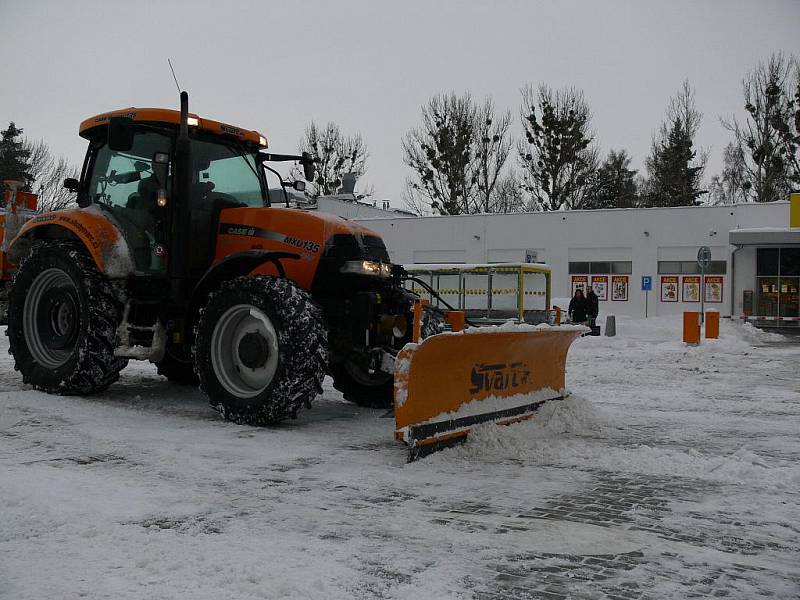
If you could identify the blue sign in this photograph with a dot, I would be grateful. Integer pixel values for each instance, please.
(647, 283)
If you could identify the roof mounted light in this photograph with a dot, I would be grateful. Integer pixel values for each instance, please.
(262, 141)
(193, 122)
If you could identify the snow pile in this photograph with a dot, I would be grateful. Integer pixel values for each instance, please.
(533, 439)
(751, 333)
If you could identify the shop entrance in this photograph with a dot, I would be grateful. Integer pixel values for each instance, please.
(777, 284)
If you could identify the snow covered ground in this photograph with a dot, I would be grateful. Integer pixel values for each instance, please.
(671, 472)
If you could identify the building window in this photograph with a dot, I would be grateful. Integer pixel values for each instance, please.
(622, 267)
(601, 268)
(690, 267)
(778, 282)
(580, 268)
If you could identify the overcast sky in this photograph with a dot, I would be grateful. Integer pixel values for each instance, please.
(274, 66)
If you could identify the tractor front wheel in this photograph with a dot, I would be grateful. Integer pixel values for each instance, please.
(260, 350)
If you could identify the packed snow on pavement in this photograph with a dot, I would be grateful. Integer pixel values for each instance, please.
(670, 472)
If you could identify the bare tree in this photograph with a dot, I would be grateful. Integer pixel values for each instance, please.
(48, 174)
(734, 166)
(441, 154)
(508, 195)
(492, 147)
(413, 201)
(557, 155)
(768, 138)
(335, 154)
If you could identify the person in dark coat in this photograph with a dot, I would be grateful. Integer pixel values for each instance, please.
(579, 308)
(594, 307)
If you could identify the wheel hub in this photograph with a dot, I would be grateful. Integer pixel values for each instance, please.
(58, 319)
(253, 350)
(244, 351)
(51, 318)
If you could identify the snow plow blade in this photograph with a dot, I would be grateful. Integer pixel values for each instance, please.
(451, 382)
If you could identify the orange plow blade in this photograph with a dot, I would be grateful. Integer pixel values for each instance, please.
(451, 382)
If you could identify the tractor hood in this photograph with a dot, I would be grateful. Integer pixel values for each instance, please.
(313, 239)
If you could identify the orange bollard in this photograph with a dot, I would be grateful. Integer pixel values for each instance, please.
(691, 328)
(558, 316)
(455, 319)
(712, 325)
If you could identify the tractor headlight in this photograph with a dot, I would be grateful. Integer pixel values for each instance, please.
(367, 267)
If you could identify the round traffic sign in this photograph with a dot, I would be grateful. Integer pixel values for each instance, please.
(704, 257)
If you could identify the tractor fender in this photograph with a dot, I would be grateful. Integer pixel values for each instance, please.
(236, 265)
(98, 234)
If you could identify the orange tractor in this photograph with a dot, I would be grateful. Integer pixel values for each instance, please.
(175, 255)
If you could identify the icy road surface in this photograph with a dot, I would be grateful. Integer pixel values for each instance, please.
(671, 472)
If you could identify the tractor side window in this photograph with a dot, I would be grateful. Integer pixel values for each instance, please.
(124, 184)
(222, 177)
(225, 173)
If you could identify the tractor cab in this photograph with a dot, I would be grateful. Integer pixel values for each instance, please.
(130, 175)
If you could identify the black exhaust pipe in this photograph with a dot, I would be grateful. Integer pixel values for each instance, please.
(181, 208)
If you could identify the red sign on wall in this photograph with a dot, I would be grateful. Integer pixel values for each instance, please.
(691, 288)
(600, 286)
(580, 282)
(669, 288)
(713, 288)
(619, 287)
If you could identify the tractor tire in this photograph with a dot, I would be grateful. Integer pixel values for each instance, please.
(260, 350)
(62, 320)
(361, 388)
(177, 371)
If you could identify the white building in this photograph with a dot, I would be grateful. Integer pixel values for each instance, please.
(349, 207)
(614, 249)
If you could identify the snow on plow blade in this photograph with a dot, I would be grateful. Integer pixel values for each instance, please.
(451, 382)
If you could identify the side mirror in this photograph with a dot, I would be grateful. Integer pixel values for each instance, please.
(120, 134)
(71, 184)
(308, 166)
(299, 186)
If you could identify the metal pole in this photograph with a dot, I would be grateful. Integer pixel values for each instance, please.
(702, 294)
(646, 292)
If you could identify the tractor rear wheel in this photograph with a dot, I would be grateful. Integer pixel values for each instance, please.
(260, 350)
(62, 321)
(374, 390)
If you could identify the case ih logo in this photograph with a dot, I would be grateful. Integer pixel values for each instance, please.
(498, 377)
(234, 230)
(230, 129)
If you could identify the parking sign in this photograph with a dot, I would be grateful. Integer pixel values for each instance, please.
(647, 283)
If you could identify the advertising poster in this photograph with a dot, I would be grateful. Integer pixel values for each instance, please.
(713, 288)
(691, 289)
(619, 287)
(580, 282)
(669, 288)
(600, 286)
